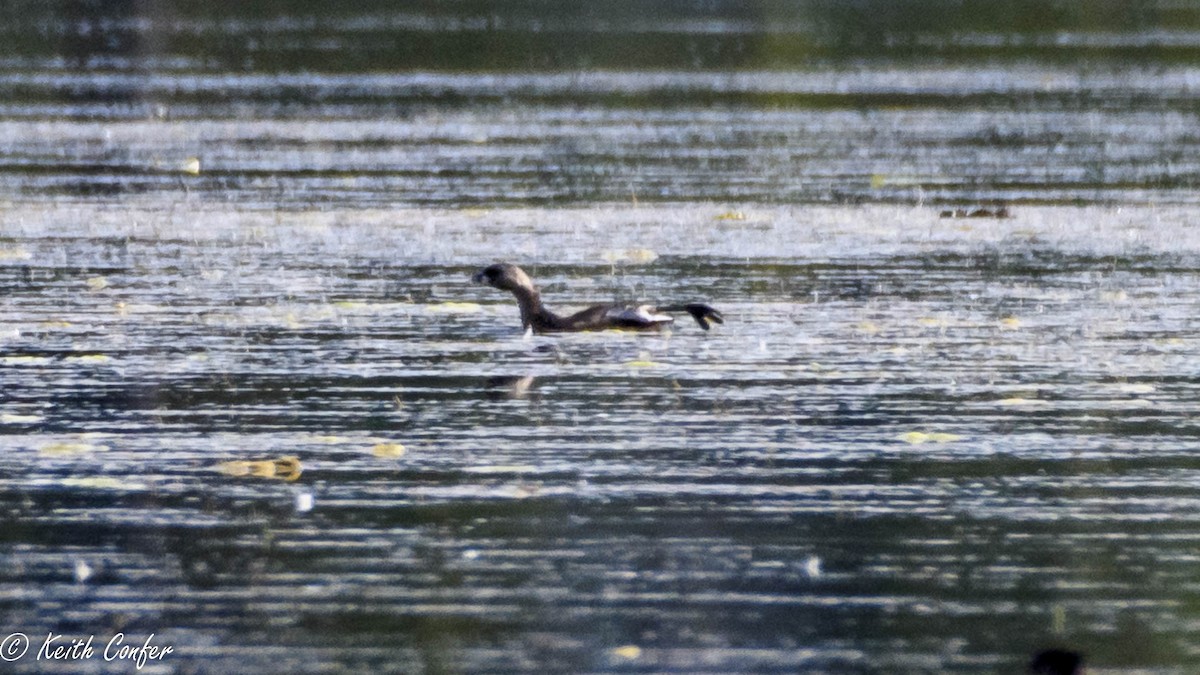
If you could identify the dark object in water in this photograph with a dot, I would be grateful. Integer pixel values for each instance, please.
(534, 314)
(1056, 662)
(979, 212)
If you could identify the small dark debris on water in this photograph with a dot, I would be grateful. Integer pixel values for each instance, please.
(977, 212)
(1056, 662)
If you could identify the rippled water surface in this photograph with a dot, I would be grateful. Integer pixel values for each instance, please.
(251, 403)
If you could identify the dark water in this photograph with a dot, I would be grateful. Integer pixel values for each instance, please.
(919, 443)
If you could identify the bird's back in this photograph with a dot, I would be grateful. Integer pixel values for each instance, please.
(601, 317)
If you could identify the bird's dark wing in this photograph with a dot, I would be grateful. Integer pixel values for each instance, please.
(602, 317)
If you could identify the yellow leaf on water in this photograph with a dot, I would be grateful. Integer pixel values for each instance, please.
(1010, 323)
(642, 363)
(191, 166)
(55, 323)
(731, 215)
(284, 468)
(388, 450)
(97, 283)
(627, 652)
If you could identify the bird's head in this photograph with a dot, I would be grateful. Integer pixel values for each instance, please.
(504, 276)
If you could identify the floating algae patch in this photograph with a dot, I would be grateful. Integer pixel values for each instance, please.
(921, 437)
(455, 308)
(101, 483)
(388, 450)
(88, 359)
(501, 468)
(1021, 402)
(638, 256)
(1136, 388)
(65, 448)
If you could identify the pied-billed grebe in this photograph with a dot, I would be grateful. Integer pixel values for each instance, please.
(534, 314)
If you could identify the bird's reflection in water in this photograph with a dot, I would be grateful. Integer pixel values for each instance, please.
(510, 386)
